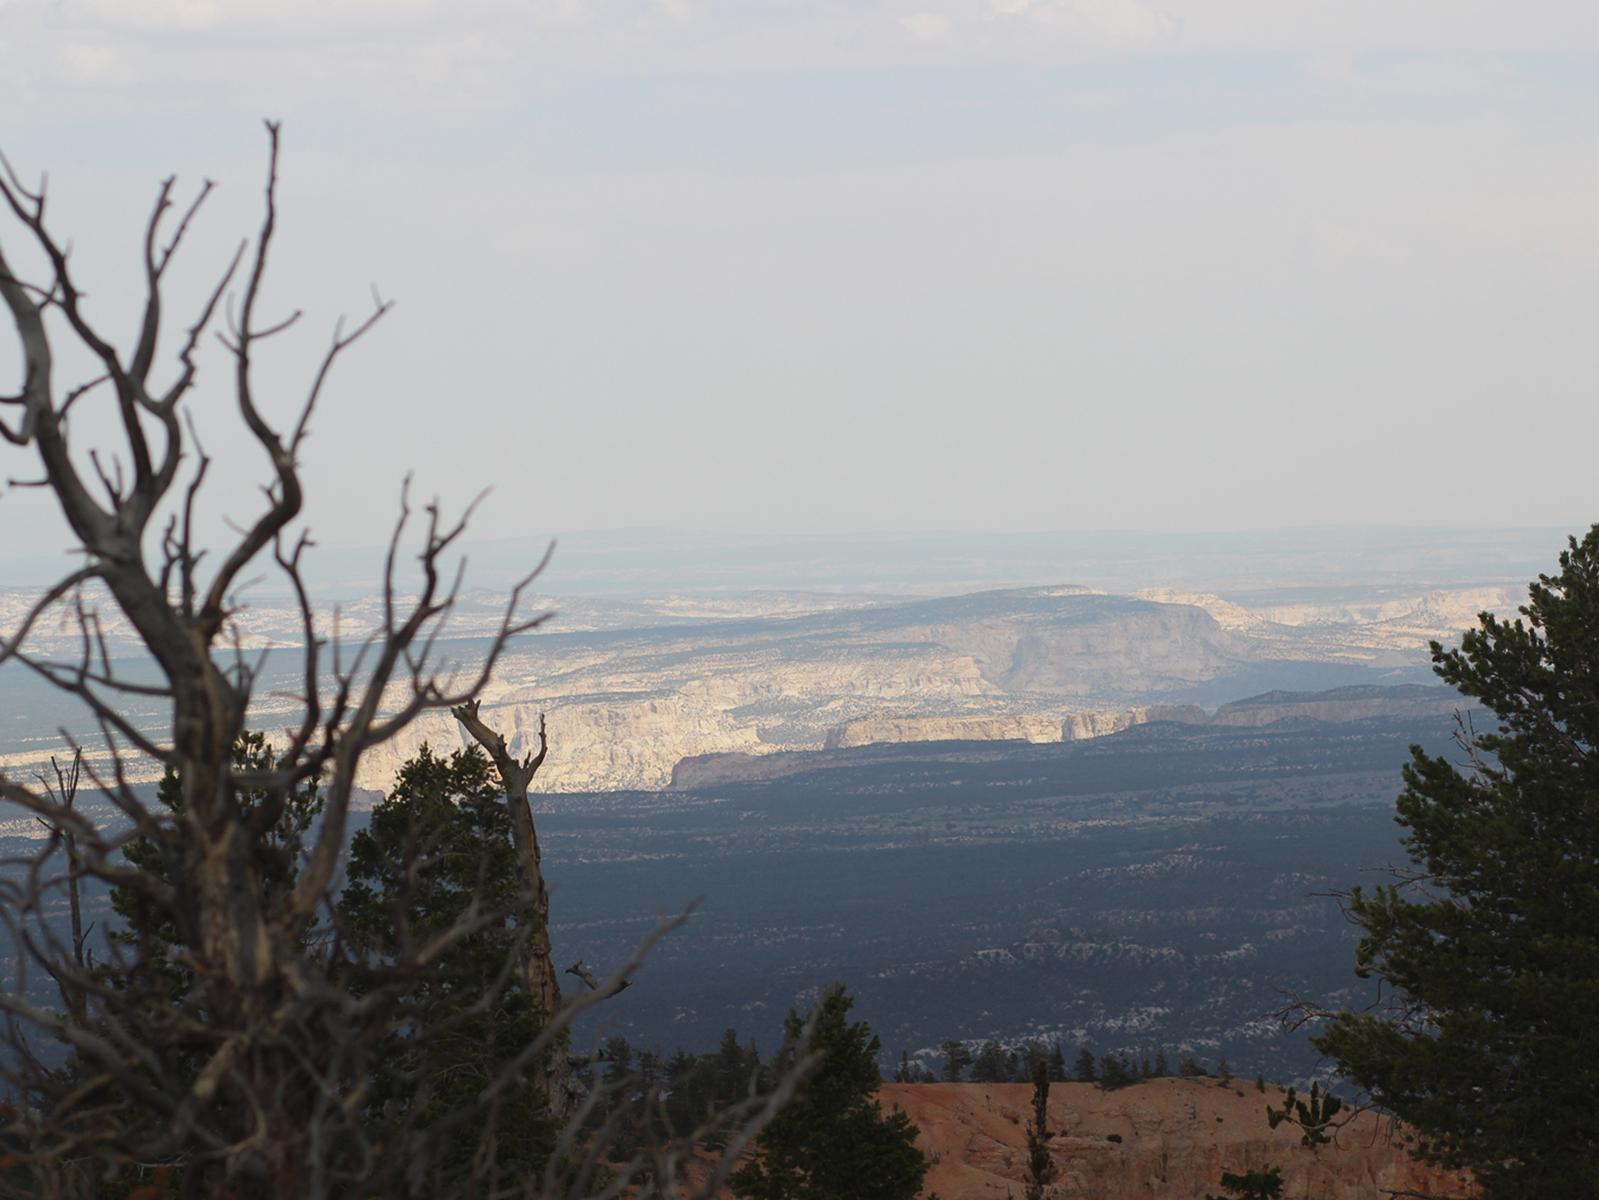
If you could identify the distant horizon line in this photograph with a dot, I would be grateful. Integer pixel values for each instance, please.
(36, 560)
(1095, 531)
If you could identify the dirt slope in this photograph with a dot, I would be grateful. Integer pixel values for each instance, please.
(1177, 1137)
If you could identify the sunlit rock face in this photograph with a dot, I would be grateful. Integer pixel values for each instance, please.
(626, 702)
(624, 707)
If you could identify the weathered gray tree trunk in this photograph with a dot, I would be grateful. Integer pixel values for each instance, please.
(543, 984)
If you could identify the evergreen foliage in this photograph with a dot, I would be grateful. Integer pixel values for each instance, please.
(833, 1141)
(152, 940)
(991, 1065)
(1491, 1048)
(1040, 1167)
(1085, 1068)
(1057, 1064)
(150, 963)
(956, 1059)
(912, 1072)
(1190, 1067)
(1115, 1072)
(438, 854)
(646, 1099)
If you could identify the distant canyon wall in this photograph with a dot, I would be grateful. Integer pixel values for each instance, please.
(1029, 727)
(625, 705)
(660, 742)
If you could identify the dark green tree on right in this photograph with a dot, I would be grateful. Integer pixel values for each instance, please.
(1487, 1042)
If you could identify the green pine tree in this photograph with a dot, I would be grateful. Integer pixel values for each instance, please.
(833, 1141)
(153, 939)
(149, 968)
(991, 1065)
(1491, 1049)
(1040, 1166)
(439, 850)
(1057, 1064)
(1115, 1072)
(956, 1059)
(1085, 1068)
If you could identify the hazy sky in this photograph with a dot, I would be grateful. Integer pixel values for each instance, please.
(843, 265)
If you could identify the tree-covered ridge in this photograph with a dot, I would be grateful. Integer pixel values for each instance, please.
(993, 1062)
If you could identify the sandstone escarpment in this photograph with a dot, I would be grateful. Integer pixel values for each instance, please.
(1002, 727)
(602, 745)
(1173, 1138)
(1081, 726)
(1010, 726)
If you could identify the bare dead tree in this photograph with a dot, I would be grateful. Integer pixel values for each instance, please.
(63, 792)
(242, 1062)
(516, 776)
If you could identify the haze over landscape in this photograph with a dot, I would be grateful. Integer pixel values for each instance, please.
(965, 265)
(1013, 478)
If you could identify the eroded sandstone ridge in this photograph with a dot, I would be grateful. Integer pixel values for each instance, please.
(627, 702)
(1176, 1137)
(1035, 664)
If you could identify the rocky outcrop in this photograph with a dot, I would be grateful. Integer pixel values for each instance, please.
(1003, 727)
(1225, 613)
(613, 744)
(1080, 727)
(1028, 727)
(1166, 1139)
(698, 735)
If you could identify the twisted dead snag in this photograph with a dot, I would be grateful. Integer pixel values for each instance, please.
(245, 1065)
(543, 984)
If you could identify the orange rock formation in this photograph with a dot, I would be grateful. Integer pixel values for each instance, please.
(1177, 1137)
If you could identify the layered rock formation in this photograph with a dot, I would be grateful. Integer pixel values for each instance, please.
(626, 704)
(1359, 627)
(1081, 726)
(1006, 727)
(1165, 1139)
(1025, 727)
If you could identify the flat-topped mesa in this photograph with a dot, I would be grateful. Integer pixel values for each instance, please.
(1340, 705)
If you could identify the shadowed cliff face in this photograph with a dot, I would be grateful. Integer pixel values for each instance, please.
(1177, 1136)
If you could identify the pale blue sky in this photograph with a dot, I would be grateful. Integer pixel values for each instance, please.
(827, 266)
